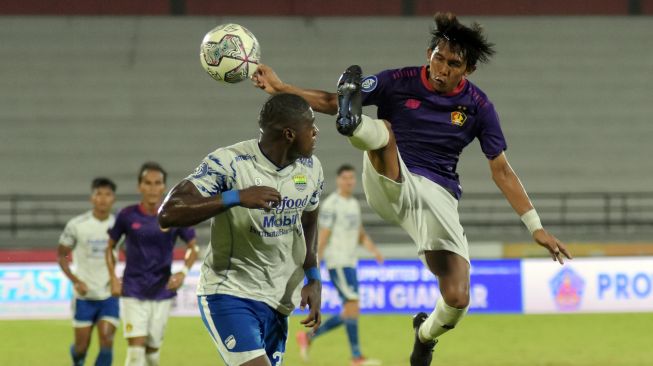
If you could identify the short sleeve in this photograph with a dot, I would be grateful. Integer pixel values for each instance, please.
(314, 200)
(213, 176)
(327, 214)
(186, 234)
(69, 235)
(119, 227)
(374, 88)
(493, 143)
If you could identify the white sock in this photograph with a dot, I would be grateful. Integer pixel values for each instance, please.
(153, 358)
(135, 356)
(371, 134)
(441, 320)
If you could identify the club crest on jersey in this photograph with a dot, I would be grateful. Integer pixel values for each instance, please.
(458, 118)
(300, 182)
(201, 170)
(369, 83)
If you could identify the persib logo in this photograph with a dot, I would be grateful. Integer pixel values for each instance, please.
(567, 288)
(300, 182)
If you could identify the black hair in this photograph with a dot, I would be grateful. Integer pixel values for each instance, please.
(151, 165)
(469, 41)
(284, 110)
(345, 168)
(103, 182)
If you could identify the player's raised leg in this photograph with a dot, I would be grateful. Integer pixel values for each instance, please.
(452, 271)
(372, 135)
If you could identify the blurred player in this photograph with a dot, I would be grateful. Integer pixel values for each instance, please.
(262, 197)
(341, 231)
(85, 236)
(147, 286)
(428, 114)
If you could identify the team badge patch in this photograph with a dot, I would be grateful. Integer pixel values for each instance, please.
(201, 170)
(230, 342)
(300, 182)
(458, 118)
(369, 84)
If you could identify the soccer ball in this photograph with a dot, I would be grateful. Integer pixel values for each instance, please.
(230, 53)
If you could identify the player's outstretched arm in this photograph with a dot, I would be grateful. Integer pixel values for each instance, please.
(186, 206)
(508, 182)
(312, 291)
(266, 79)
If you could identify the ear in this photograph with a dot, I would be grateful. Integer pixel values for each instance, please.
(288, 134)
(429, 53)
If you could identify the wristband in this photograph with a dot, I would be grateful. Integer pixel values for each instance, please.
(231, 198)
(532, 221)
(313, 273)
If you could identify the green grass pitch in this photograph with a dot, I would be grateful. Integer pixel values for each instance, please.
(487, 340)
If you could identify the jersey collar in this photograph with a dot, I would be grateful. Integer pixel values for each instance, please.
(269, 164)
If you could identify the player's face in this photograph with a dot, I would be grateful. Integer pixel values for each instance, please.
(346, 182)
(152, 187)
(446, 68)
(102, 199)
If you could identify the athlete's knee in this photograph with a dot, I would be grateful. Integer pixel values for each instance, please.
(456, 298)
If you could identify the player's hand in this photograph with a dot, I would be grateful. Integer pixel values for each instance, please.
(176, 281)
(552, 244)
(116, 286)
(266, 79)
(312, 296)
(80, 287)
(260, 197)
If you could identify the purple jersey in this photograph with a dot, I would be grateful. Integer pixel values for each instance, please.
(432, 129)
(148, 251)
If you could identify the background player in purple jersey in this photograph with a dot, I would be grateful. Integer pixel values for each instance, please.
(427, 115)
(147, 286)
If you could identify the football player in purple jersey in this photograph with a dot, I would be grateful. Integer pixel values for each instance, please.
(426, 116)
(147, 286)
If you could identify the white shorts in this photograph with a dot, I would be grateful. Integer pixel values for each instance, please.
(427, 211)
(145, 318)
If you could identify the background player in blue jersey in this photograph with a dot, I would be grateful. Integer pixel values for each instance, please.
(262, 198)
(147, 286)
(341, 233)
(85, 237)
(427, 115)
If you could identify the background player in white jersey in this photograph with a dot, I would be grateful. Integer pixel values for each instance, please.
(262, 197)
(85, 236)
(341, 232)
(427, 115)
